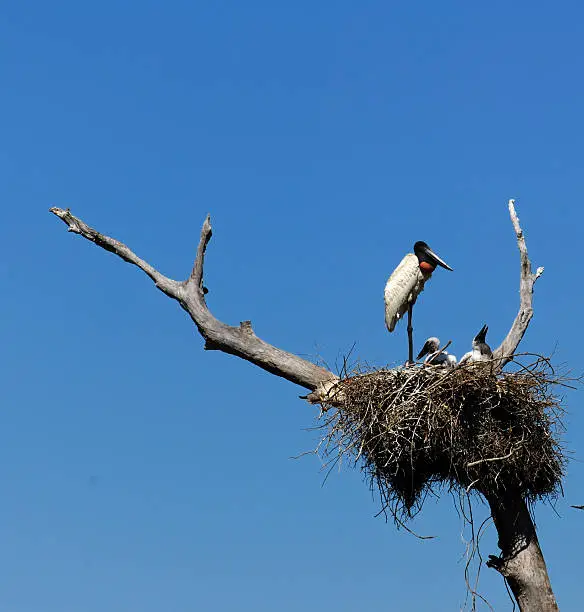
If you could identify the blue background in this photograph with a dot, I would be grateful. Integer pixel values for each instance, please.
(138, 472)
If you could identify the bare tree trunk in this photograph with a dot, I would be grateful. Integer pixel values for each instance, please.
(521, 561)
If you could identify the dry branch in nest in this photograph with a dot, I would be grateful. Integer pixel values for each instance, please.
(468, 429)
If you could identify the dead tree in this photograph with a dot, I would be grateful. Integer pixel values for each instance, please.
(521, 561)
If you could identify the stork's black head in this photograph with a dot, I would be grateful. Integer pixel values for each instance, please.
(482, 335)
(430, 346)
(425, 255)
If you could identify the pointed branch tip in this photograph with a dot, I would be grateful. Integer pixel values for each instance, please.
(526, 282)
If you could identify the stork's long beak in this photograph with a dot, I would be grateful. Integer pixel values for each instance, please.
(437, 259)
(425, 350)
(482, 335)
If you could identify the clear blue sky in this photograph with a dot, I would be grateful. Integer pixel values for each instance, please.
(138, 472)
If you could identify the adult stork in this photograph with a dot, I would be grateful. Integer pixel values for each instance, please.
(406, 283)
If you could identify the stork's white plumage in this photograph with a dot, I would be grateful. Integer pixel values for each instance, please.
(449, 361)
(402, 289)
(406, 283)
(465, 358)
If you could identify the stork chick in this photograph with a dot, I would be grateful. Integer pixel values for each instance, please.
(481, 351)
(435, 356)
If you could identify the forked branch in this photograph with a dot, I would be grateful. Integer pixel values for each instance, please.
(503, 354)
(240, 341)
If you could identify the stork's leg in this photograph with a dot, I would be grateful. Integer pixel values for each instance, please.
(410, 338)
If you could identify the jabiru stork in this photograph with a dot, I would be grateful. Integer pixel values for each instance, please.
(406, 283)
(435, 356)
(481, 351)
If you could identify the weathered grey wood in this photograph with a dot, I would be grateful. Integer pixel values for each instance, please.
(521, 561)
(166, 285)
(503, 354)
(240, 341)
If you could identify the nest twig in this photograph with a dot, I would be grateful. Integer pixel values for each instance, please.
(415, 428)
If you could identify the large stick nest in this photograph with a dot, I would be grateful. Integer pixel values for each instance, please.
(412, 428)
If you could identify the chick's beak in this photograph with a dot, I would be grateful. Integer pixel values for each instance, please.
(482, 335)
(424, 351)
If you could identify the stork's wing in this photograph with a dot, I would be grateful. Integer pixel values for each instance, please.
(402, 289)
